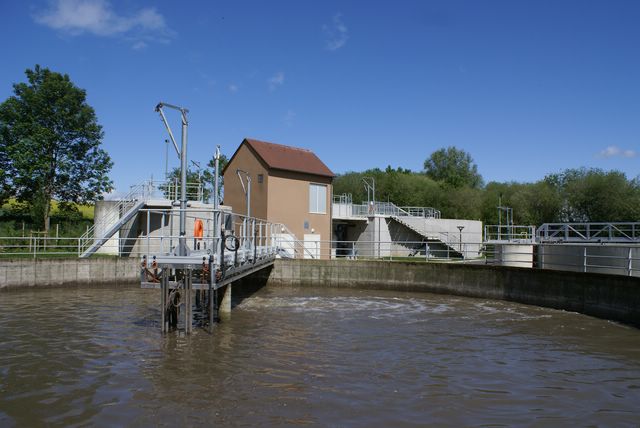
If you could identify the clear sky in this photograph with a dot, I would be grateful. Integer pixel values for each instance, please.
(526, 87)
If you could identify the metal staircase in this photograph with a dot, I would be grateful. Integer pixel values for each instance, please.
(113, 220)
(449, 243)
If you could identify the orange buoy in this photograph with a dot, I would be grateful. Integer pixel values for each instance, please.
(198, 229)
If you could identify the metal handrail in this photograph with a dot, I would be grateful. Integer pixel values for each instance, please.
(284, 229)
(140, 192)
(386, 209)
(509, 233)
(137, 192)
(262, 235)
(589, 232)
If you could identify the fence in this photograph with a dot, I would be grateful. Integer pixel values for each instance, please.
(509, 233)
(596, 258)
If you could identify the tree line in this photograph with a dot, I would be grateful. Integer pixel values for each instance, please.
(50, 149)
(450, 182)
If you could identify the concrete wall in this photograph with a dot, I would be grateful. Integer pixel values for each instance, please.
(612, 297)
(289, 204)
(23, 273)
(610, 258)
(246, 160)
(283, 197)
(446, 229)
(514, 255)
(106, 215)
(375, 240)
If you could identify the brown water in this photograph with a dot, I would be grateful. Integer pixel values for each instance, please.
(312, 357)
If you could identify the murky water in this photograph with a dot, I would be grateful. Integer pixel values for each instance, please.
(312, 357)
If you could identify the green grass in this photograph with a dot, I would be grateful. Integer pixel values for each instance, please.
(13, 206)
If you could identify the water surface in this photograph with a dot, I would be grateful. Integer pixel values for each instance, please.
(312, 357)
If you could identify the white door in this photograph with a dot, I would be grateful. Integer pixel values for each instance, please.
(312, 246)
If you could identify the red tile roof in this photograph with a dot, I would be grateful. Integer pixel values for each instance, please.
(287, 158)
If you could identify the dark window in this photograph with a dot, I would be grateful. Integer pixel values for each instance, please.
(260, 178)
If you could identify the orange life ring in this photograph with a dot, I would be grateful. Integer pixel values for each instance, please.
(198, 229)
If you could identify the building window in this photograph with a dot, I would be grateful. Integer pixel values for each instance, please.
(260, 178)
(317, 198)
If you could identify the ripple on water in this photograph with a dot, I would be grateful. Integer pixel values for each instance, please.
(324, 357)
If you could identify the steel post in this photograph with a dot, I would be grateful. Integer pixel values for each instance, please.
(183, 187)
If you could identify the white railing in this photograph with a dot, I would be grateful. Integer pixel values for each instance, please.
(255, 238)
(137, 193)
(510, 233)
(589, 232)
(343, 208)
(38, 246)
(291, 247)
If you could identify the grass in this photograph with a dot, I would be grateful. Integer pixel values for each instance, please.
(13, 206)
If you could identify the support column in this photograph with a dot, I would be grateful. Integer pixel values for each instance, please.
(225, 302)
(164, 290)
(188, 310)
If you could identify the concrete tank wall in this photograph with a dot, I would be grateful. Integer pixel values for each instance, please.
(595, 258)
(612, 297)
(106, 215)
(514, 255)
(25, 273)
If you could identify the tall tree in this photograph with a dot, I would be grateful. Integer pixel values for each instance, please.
(52, 139)
(596, 195)
(453, 167)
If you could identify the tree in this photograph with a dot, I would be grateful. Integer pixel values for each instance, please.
(593, 195)
(453, 167)
(206, 177)
(51, 139)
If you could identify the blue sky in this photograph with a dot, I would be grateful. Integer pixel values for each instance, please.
(526, 87)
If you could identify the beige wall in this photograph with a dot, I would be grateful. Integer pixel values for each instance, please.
(234, 196)
(289, 204)
(283, 197)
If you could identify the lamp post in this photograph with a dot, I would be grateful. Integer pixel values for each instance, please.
(370, 187)
(460, 241)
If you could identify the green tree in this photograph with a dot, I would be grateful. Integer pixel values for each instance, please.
(205, 176)
(592, 195)
(453, 167)
(532, 203)
(50, 144)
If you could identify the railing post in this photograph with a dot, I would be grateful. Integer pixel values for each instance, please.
(584, 267)
(630, 260)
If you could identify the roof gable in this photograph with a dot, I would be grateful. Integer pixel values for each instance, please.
(286, 158)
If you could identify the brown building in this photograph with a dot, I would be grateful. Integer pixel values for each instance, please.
(289, 185)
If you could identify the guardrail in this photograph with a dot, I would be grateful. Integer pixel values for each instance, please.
(592, 232)
(617, 259)
(342, 207)
(511, 233)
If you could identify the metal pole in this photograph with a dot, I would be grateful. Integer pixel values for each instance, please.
(182, 245)
(163, 298)
(166, 159)
(216, 200)
(247, 191)
(183, 187)
(248, 195)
